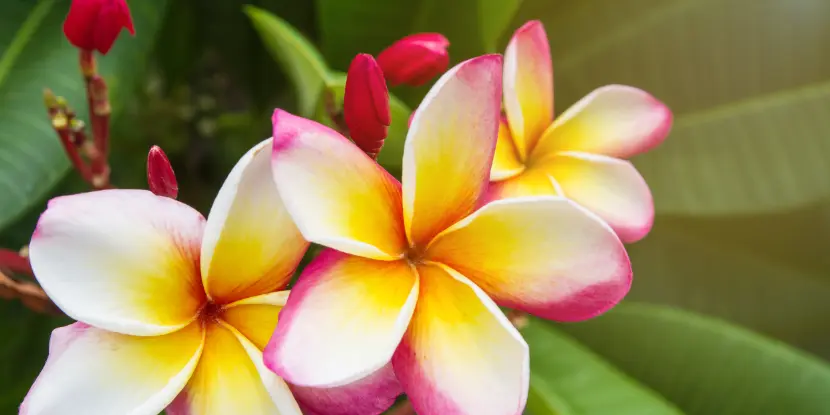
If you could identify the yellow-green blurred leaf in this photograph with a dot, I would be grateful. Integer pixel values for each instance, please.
(298, 57)
(706, 366)
(770, 273)
(369, 26)
(566, 378)
(748, 81)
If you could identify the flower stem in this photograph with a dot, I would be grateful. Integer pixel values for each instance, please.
(14, 262)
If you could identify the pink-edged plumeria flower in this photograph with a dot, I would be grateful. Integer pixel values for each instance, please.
(173, 311)
(580, 154)
(416, 271)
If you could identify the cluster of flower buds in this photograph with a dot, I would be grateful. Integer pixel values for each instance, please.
(413, 60)
(91, 25)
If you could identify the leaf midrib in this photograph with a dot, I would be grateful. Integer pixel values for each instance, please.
(22, 37)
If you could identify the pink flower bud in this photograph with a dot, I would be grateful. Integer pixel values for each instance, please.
(94, 24)
(160, 174)
(415, 59)
(366, 104)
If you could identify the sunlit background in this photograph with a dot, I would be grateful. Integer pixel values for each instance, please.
(730, 308)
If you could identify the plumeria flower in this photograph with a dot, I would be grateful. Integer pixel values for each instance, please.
(580, 154)
(172, 309)
(416, 271)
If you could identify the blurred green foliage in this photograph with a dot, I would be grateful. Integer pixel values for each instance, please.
(741, 186)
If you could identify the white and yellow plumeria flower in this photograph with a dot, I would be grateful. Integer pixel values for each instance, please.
(580, 154)
(416, 270)
(172, 309)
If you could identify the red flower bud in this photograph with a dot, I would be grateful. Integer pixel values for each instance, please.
(415, 59)
(366, 104)
(94, 24)
(160, 174)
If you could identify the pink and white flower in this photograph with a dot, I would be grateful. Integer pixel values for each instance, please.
(174, 310)
(415, 271)
(580, 154)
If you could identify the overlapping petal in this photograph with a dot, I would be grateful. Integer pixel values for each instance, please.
(449, 147)
(251, 246)
(121, 260)
(610, 187)
(544, 255)
(337, 195)
(528, 86)
(371, 395)
(97, 372)
(614, 120)
(343, 320)
(256, 318)
(506, 161)
(534, 181)
(231, 379)
(461, 355)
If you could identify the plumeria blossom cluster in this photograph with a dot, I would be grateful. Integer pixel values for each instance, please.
(190, 315)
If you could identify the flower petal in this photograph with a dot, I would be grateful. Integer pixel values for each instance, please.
(614, 120)
(343, 320)
(251, 245)
(461, 355)
(544, 255)
(121, 260)
(337, 195)
(256, 318)
(506, 161)
(97, 372)
(610, 187)
(528, 85)
(231, 379)
(531, 182)
(369, 396)
(449, 147)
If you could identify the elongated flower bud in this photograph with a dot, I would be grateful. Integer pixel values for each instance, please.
(160, 175)
(95, 24)
(415, 59)
(366, 104)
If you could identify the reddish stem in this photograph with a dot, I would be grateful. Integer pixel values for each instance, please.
(60, 124)
(14, 262)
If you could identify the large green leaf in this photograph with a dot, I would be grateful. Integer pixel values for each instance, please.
(705, 366)
(368, 26)
(299, 58)
(568, 379)
(768, 272)
(34, 55)
(748, 83)
(391, 155)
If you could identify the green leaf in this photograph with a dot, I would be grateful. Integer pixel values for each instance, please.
(391, 155)
(768, 272)
(299, 58)
(34, 55)
(369, 26)
(568, 379)
(751, 95)
(706, 366)
(494, 16)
